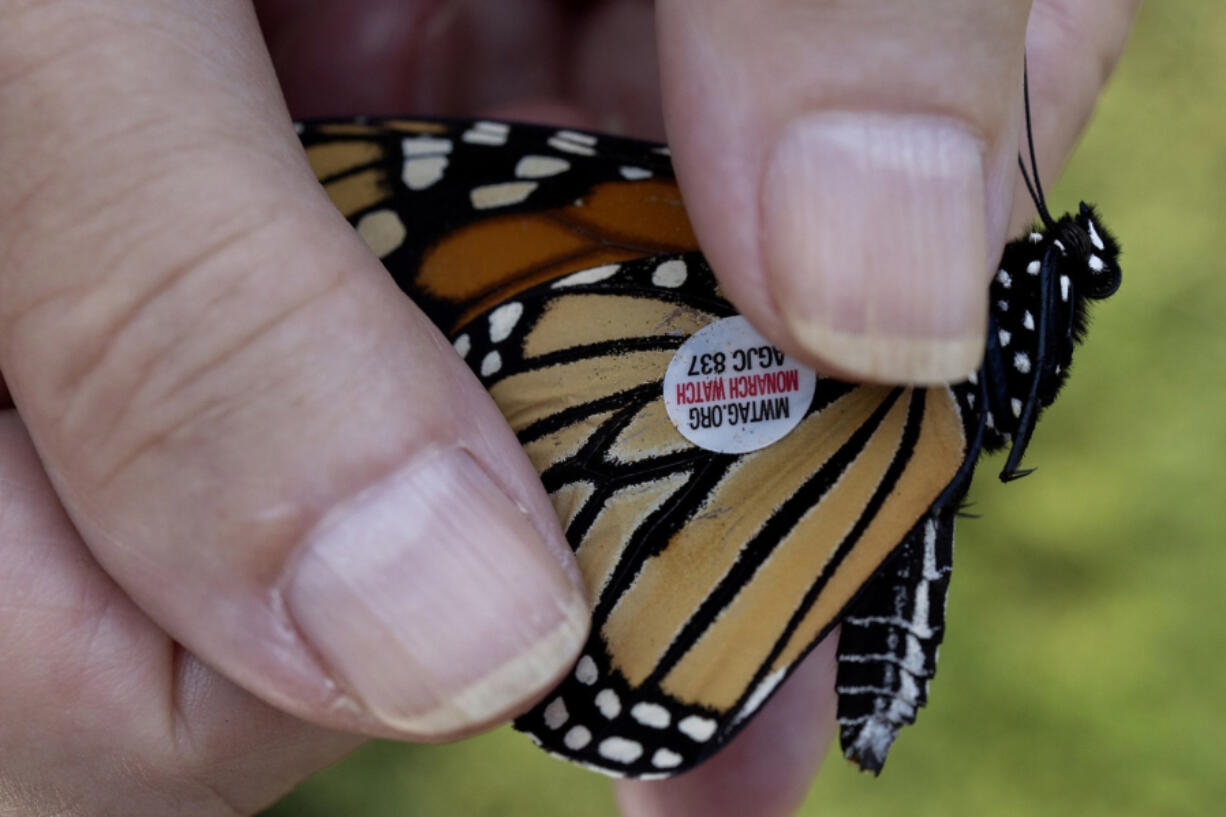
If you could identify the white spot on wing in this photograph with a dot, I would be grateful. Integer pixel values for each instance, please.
(1028, 320)
(383, 231)
(1064, 285)
(577, 738)
(670, 274)
(585, 671)
(555, 713)
(424, 146)
(421, 172)
(1033, 267)
(503, 320)
(1005, 280)
(540, 167)
(1002, 306)
(576, 136)
(1035, 238)
(1021, 362)
(487, 133)
(697, 728)
(665, 759)
(1096, 263)
(501, 194)
(476, 137)
(635, 173)
(621, 749)
(571, 147)
(587, 276)
(569, 141)
(1016, 406)
(608, 703)
(652, 715)
(1004, 336)
(462, 344)
(491, 363)
(759, 695)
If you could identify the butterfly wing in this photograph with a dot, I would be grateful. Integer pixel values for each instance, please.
(711, 575)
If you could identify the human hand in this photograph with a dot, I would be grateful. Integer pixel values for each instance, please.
(221, 381)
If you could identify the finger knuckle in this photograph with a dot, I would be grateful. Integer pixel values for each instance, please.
(154, 350)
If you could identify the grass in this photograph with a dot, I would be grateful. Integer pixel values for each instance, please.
(1083, 669)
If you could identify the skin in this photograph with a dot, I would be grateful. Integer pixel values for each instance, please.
(203, 371)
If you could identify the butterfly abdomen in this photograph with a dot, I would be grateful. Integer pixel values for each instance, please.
(888, 646)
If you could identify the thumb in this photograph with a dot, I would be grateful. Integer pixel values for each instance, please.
(849, 169)
(270, 449)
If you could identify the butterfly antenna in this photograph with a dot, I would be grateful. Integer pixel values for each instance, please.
(1036, 191)
(1030, 187)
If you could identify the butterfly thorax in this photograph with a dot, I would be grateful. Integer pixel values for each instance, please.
(1037, 316)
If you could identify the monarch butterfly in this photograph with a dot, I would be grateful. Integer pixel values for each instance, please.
(563, 268)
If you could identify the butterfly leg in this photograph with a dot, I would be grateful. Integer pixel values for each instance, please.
(1030, 411)
(888, 646)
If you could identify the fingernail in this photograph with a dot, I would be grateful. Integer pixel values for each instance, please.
(434, 600)
(874, 246)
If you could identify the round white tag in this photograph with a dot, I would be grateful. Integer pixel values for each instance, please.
(729, 390)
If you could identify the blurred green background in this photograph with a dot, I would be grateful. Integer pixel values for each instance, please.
(1084, 663)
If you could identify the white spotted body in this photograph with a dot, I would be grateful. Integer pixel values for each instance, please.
(1081, 262)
